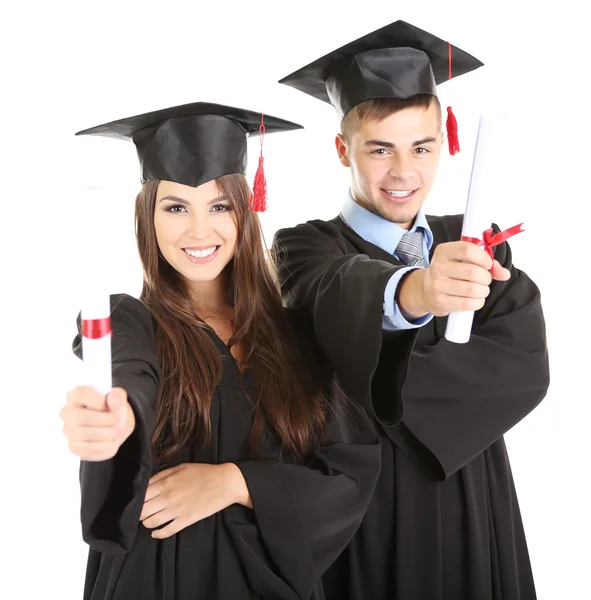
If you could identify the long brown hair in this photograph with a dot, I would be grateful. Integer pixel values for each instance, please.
(288, 404)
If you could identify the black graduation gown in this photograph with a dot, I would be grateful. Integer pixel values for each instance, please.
(444, 522)
(303, 517)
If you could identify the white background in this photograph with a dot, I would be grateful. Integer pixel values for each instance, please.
(68, 67)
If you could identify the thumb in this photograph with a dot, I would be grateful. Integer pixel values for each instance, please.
(499, 273)
(116, 398)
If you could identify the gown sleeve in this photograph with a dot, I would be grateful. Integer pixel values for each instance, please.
(441, 403)
(113, 491)
(343, 292)
(461, 398)
(304, 515)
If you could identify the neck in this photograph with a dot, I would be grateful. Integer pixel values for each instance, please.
(210, 296)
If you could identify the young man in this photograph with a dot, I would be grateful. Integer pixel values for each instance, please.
(379, 281)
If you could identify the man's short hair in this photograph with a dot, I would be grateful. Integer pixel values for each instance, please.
(379, 109)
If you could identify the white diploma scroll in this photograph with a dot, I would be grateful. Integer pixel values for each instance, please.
(96, 341)
(93, 285)
(476, 220)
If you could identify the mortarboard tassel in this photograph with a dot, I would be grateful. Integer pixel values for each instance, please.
(451, 124)
(259, 197)
(452, 132)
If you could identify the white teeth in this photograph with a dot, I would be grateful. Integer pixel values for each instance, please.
(201, 253)
(398, 194)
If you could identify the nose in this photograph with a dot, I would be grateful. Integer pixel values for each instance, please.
(199, 225)
(401, 168)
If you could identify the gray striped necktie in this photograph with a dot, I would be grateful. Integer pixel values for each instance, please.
(410, 249)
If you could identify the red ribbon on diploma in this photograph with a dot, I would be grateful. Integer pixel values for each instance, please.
(93, 329)
(489, 241)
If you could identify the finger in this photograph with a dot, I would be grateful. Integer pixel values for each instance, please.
(92, 434)
(160, 518)
(87, 397)
(463, 289)
(84, 417)
(152, 507)
(465, 271)
(164, 474)
(459, 304)
(170, 530)
(499, 273)
(154, 490)
(116, 398)
(468, 252)
(93, 451)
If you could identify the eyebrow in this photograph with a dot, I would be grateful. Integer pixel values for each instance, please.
(427, 140)
(187, 203)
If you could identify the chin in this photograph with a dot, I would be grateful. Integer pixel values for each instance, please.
(204, 275)
(403, 212)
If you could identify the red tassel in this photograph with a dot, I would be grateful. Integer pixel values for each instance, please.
(452, 124)
(452, 132)
(258, 199)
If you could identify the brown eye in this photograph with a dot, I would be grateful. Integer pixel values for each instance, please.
(221, 208)
(175, 208)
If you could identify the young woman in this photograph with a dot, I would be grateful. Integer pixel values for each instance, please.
(225, 463)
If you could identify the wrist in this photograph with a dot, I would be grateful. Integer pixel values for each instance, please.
(410, 295)
(236, 485)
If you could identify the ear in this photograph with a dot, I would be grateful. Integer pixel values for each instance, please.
(341, 147)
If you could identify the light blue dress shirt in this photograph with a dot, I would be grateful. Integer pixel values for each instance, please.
(387, 235)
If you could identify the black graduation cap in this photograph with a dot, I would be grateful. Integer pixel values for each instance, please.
(396, 61)
(193, 143)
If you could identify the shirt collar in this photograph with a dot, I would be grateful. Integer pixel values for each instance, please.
(376, 230)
